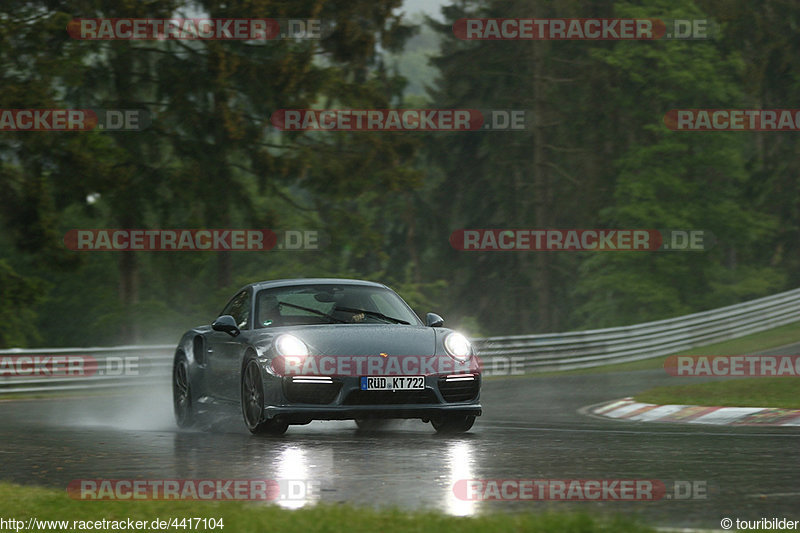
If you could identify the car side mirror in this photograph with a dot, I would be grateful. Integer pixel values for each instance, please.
(227, 324)
(433, 320)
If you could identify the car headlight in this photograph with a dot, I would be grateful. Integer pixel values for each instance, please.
(289, 345)
(458, 346)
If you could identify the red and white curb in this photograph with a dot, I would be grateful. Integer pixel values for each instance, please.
(630, 409)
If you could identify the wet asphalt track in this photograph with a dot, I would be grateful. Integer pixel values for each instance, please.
(531, 428)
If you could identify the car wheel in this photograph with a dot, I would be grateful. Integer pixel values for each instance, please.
(253, 403)
(453, 424)
(371, 424)
(182, 393)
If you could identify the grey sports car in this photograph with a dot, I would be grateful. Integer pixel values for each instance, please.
(297, 350)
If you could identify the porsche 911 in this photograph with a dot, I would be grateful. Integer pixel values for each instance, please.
(293, 351)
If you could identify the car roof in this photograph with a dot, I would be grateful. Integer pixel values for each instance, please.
(313, 281)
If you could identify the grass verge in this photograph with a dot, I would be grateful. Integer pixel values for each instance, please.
(23, 503)
(781, 392)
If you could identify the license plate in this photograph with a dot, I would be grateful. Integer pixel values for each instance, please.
(393, 383)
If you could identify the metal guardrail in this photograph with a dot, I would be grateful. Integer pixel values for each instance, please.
(71, 369)
(591, 348)
(125, 366)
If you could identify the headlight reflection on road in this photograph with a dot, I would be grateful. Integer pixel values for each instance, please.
(292, 473)
(460, 462)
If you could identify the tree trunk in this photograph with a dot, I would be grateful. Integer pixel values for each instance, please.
(129, 296)
(541, 193)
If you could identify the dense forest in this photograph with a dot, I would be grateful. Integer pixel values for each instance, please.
(597, 154)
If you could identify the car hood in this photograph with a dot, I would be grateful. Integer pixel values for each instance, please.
(368, 339)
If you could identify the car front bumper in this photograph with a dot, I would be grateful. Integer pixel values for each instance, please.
(302, 414)
(341, 398)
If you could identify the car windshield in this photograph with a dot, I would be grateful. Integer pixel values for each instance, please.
(331, 304)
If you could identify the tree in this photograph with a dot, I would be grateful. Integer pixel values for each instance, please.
(675, 180)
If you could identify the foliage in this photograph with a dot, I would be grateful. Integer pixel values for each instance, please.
(597, 155)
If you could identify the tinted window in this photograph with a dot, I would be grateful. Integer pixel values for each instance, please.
(239, 309)
(326, 304)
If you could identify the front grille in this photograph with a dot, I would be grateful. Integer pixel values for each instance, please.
(459, 391)
(313, 393)
(382, 397)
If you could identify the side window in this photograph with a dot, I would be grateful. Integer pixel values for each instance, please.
(239, 309)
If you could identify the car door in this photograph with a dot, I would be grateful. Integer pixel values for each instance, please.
(225, 351)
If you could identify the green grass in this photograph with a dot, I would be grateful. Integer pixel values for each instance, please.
(22, 503)
(783, 392)
(764, 340)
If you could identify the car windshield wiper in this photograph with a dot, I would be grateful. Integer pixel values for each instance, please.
(315, 311)
(373, 314)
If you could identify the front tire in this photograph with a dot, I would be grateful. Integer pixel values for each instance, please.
(253, 402)
(451, 425)
(182, 393)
